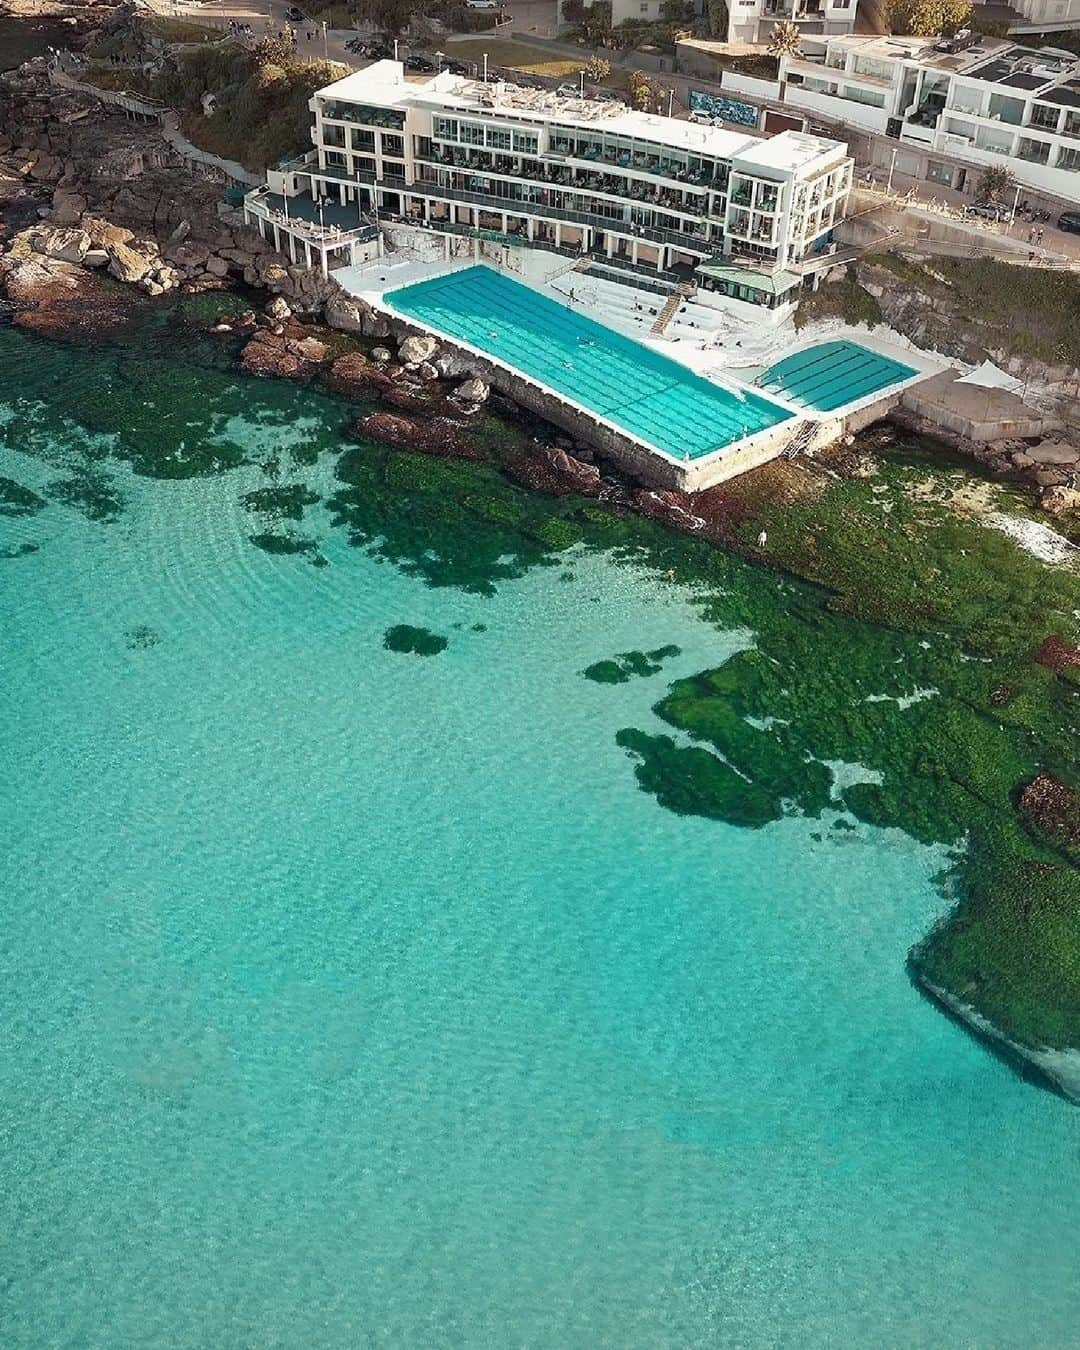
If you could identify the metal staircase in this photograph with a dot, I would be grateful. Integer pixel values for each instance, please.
(671, 308)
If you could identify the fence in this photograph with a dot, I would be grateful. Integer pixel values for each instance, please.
(233, 173)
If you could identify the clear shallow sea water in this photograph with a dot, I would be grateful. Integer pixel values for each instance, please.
(353, 997)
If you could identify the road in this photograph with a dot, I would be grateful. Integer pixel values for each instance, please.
(535, 18)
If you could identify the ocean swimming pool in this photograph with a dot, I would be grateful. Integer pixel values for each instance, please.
(647, 395)
(828, 375)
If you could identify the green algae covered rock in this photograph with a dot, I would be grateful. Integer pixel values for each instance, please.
(420, 641)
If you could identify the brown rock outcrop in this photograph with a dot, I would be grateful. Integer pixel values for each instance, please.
(556, 473)
(435, 436)
(1057, 653)
(1053, 808)
(291, 354)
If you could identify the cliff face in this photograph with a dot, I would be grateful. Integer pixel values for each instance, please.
(1025, 320)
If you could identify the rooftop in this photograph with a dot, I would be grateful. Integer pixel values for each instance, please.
(383, 84)
(995, 60)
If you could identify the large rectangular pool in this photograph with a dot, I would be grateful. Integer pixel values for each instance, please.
(648, 395)
(830, 374)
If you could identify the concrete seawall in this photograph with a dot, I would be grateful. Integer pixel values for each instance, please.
(638, 460)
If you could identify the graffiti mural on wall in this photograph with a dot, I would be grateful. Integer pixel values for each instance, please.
(730, 109)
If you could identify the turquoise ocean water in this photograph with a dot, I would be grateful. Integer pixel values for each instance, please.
(357, 998)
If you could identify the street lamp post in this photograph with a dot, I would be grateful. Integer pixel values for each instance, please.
(892, 165)
(582, 85)
(671, 102)
(325, 52)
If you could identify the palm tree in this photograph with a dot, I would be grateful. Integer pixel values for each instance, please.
(784, 39)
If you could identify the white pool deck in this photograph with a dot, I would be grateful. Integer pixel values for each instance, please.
(715, 343)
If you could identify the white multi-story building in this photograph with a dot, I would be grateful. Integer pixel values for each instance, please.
(1036, 16)
(641, 194)
(951, 107)
(754, 20)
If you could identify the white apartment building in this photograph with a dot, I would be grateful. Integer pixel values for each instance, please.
(951, 107)
(645, 196)
(1036, 16)
(753, 20)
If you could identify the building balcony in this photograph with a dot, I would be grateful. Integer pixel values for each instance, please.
(692, 240)
(563, 176)
(323, 224)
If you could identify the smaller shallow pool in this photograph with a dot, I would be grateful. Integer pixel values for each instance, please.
(826, 376)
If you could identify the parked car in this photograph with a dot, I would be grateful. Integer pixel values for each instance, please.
(702, 119)
(481, 4)
(568, 90)
(358, 46)
(294, 15)
(456, 67)
(420, 64)
(988, 211)
(1069, 221)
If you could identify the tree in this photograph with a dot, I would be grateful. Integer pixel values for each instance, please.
(573, 11)
(596, 21)
(929, 18)
(596, 68)
(784, 39)
(676, 11)
(996, 184)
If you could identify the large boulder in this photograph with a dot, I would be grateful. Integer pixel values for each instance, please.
(288, 353)
(437, 436)
(60, 299)
(104, 234)
(414, 350)
(67, 245)
(126, 264)
(1053, 453)
(47, 169)
(189, 255)
(473, 390)
(351, 315)
(557, 473)
(451, 365)
(354, 376)
(278, 308)
(67, 206)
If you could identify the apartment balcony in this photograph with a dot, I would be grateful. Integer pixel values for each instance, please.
(572, 155)
(564, 176)
(693, 240)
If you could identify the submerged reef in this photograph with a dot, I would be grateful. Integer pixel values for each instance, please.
(404, 637)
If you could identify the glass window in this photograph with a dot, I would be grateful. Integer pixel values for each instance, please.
(446, 128)
(471, 134)
(498, 138)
